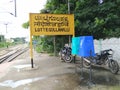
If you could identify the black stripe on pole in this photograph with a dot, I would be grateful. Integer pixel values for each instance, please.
(32, 63)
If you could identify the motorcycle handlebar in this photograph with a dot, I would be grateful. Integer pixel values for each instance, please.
(106, 51)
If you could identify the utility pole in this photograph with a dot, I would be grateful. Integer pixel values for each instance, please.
(68, 7)
(15, 11)
(15, 8)
(6, 26)
(69, 13)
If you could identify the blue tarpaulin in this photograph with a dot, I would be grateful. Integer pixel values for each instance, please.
(83, 46)
(75, 45)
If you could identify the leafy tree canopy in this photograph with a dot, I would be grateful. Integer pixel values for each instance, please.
(101, 20)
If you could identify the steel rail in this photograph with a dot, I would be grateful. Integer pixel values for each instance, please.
(12, 55)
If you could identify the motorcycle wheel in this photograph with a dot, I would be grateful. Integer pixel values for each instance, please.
(86, 64)
(68, 59)
(114, 67)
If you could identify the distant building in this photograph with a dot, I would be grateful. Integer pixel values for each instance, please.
(19, 40)
(10, 40)
(2, 38)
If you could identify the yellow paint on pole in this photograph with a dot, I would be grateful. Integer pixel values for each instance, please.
(31, 46)
(52, 24)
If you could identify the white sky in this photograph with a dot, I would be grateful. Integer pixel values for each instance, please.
(24, 7)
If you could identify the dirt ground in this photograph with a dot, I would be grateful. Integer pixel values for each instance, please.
(50, 73)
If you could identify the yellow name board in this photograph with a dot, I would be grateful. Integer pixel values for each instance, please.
(52, 24)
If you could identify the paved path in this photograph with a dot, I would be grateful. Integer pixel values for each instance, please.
(49, 73)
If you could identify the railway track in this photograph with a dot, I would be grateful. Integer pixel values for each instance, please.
(12, 55)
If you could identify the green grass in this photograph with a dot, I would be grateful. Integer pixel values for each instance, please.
(6, 44)
(115, 88)
(105, 88)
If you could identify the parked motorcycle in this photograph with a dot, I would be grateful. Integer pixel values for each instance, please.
(105, 57)
(65, 54)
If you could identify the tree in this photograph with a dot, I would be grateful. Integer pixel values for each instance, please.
(25, 25)
(91, 17)
(101, 20)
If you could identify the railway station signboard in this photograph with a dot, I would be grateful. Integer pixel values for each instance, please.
(50, 24)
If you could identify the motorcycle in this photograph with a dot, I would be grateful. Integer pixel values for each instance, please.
(104, 58)
(65, 54)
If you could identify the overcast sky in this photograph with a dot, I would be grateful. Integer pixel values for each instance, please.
(24, 7)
